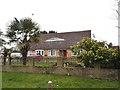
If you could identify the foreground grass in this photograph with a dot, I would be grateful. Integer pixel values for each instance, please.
(30, 80)
(0, 80)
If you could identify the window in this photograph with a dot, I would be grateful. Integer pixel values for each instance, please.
(55, 39)
(37, 53)
(40, 52)
(51, 53)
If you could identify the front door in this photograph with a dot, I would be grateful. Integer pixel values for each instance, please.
(63, 53)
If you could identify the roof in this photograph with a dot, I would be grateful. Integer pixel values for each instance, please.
(60, 40)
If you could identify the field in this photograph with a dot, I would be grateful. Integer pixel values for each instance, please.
(35, 80)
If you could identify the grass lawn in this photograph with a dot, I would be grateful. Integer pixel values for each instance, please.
(34, 80)
(17, 63)
(44, 63)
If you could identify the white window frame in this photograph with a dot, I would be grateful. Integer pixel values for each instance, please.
(50, 52)
(41, 52)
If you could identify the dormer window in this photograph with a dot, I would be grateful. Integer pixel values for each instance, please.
(55, 39)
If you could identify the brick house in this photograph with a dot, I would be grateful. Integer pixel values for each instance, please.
(57, 44)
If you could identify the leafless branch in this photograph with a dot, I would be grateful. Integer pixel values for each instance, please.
(118, 12)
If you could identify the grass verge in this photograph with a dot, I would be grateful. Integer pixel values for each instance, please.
(35, 80)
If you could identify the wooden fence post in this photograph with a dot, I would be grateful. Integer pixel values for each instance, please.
(33, 61)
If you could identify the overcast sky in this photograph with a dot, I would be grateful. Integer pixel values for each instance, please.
(65, 15)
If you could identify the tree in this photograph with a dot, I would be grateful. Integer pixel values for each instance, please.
(52, 31)
(5, 53)
(86, 50)
(23, 32)
(43, 32)
(90, 51)
(2, 41)
(108, 57)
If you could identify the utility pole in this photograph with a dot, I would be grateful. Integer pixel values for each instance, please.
(119, 23)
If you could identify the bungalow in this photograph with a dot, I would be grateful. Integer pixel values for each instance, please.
(57, 44)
